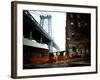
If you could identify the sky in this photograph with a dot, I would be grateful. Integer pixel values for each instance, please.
(58, 29)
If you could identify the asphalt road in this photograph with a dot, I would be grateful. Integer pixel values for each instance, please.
(70, 63)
